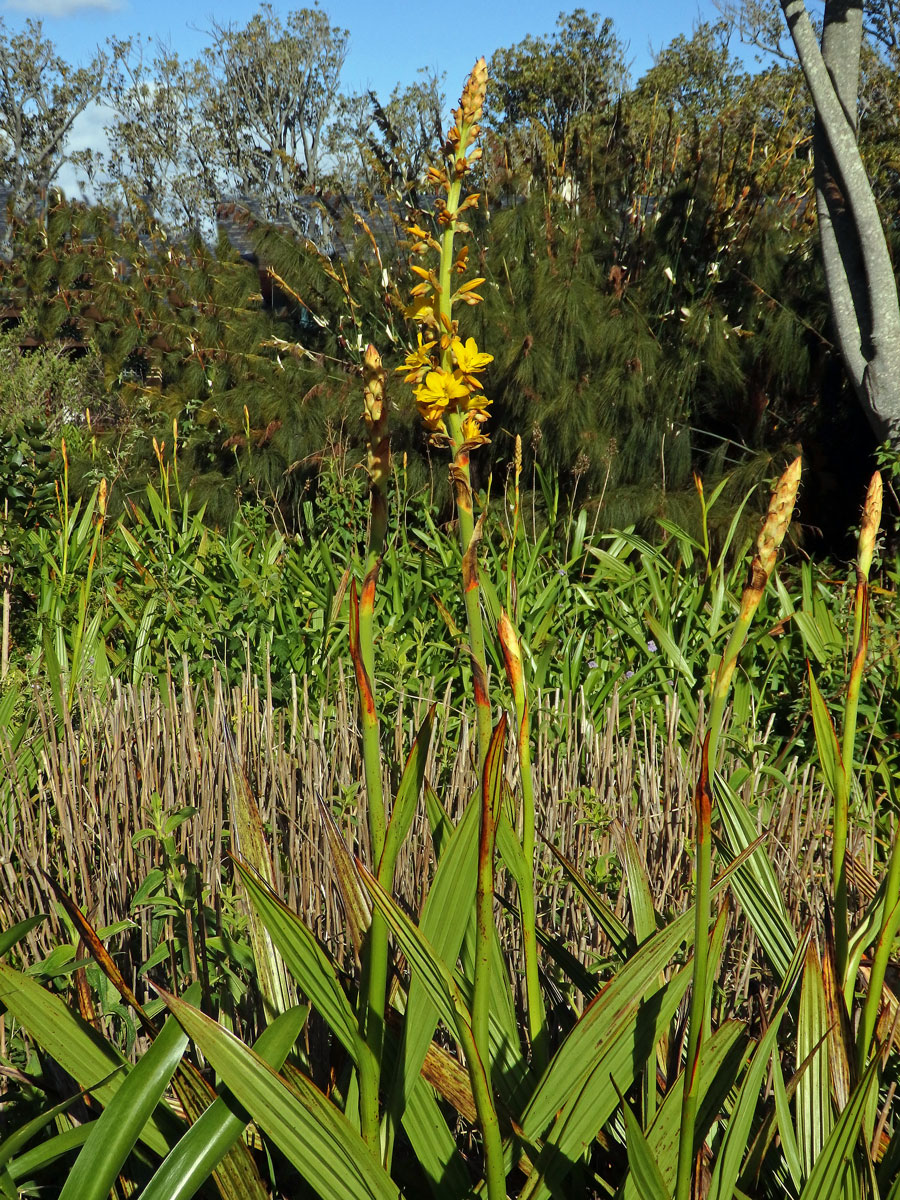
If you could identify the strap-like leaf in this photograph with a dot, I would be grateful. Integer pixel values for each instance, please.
(836, 1156)
(614, 927)
(9, 937)
(643, 914)
(406, 800)
(210, 1138)
(737, 1131)
(434, 1145)
(79, 1049)
(113, 1136)
(755, 884)
(813, 1097)
(613, 1063)
(448, 911)
(723, 1056)
(644, 1169)
(826, 738)
(320, 1142)
(305, 959)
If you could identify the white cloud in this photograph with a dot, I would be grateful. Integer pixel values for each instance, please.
(61, 8)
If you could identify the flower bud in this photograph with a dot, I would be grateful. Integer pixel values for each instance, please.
(871, 520)
(472, 102)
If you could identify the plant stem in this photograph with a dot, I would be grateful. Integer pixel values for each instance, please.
(871, 520)
(491, 800)
(536, 1015)
(700, 999)
(494, 1169)
(373, 984)
(890, 925)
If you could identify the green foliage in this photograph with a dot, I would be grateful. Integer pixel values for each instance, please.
(614, 330)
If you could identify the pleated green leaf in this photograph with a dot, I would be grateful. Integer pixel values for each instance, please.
(20, 1137)
(736, 1137)
(211, 1137)
(307, 962)
(813, 1096)
(9, 937)
(643, 914)
(613, 1061)
(448, 911)
(425, 962)
(826, 738)
(614, 927)
(114, 1135)
(724, 1054)
(755, 883)
(320, 1142)
(434, 1145)
(406, 800)
(45, 1154)
(836, 1158)
(79, 1049)
(786, 1131)
(645, 1172)
(613, 1008)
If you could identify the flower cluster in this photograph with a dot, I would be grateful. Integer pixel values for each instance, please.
(443, 368)
(453, 387)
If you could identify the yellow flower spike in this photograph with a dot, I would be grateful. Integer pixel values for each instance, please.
(471, 431)
(428, 276)
(423, 311)
(469, 357)
(423, 239)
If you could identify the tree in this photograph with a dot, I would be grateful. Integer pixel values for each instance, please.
(272, 89)
(388, 145)
(40, 98)
(858, 269)
(698, 77)
(163, 159)
(859, 273)
(543, 91)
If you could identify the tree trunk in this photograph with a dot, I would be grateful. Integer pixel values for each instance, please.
(858, 269)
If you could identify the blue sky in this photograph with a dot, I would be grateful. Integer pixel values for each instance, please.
(388, 40)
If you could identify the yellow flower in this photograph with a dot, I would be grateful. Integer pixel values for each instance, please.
(425, 310)
(471, 430)
(418, 362)
(440, 391)
(469, 361)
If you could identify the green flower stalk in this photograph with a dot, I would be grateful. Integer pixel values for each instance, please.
(868, 533)
(537, 1020)
(768, 543)
(445, 370)
(373, 992)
